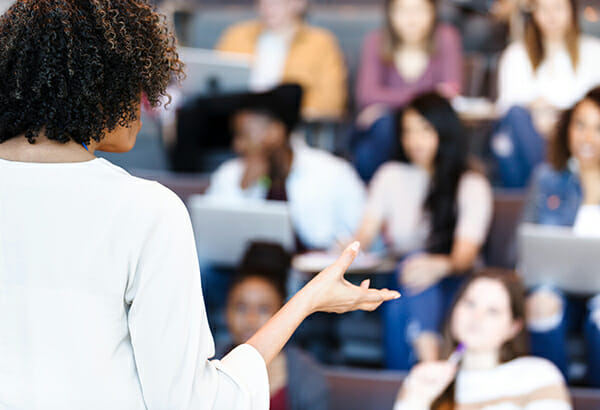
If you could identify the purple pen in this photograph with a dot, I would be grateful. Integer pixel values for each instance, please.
(458, 354)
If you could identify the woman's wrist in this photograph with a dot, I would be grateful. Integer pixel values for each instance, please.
(305, 301)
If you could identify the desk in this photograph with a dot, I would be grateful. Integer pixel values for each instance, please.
(312, 263)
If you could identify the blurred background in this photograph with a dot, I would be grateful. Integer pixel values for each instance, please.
(458, 140)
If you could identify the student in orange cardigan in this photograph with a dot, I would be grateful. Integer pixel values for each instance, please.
(286, 49)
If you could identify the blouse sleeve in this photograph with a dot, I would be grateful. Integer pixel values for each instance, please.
(379, 192)
(168, 326)
(328, 95)
(451, 52)
(475, 203)
(231, 39)
(351, 197)
(514, 78)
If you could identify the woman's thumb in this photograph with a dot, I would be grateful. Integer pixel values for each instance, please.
(344, 261)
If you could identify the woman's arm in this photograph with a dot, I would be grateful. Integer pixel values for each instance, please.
(169, 330)
(368, 230)
(451, 58)
(326, 292)
(326, 98)
(376, 207)
(475, 204)
(424, 270)
(515, 78)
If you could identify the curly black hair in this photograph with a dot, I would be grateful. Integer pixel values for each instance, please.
(74, 69)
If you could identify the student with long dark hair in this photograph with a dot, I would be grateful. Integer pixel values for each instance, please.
(552, 68)
(566, 192)
(433, 208)
(487, 321)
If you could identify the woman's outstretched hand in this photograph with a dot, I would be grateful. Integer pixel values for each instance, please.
(326, 292)
(330, 292)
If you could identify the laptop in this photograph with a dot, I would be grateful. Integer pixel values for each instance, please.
(555, 256)
(210, 72)
(224, 229)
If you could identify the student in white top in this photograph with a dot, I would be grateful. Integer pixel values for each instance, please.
(554, 65)
(552, 68)
(488, 368)
(100, 298)
(271, 166)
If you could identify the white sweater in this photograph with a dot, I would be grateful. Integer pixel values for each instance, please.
(555, 80)
(527, 383)
(100, 298)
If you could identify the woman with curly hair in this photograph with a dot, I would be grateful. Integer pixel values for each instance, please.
(100, 298)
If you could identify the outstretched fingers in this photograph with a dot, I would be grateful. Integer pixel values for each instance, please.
(371, 299)
(344, 262)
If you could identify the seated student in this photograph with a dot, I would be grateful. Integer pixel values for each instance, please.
(324, 193)
(256, 294)
(287, 50)
(434, 209)
(552, 68)
(412, 54)
(567, 192)
(487, 322)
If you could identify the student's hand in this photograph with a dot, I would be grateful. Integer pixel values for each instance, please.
(256, 166)
(369, 115)
(330, 292)
(448, 90)
(423, 271)
(426, 382)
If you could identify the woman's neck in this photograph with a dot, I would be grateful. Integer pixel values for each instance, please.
(45, 150)
(412, 47)
(281, 163)
(552, 45)
(590, 182)
(429, 169)
(480, 360)
(287, 30)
